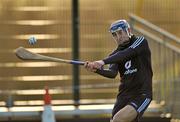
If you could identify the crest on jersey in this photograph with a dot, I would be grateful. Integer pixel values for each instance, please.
(128, 64)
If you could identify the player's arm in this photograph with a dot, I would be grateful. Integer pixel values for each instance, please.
(137, 47)
(109, 73)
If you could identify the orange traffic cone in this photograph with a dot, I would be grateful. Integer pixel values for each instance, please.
(47, 114)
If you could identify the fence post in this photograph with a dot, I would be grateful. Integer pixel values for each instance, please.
(75, 49)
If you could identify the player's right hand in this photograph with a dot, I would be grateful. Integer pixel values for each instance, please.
(90, 66)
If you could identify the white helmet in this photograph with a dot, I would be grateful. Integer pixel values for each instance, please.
(120, 25)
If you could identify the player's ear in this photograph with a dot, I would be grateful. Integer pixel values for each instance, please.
(129, 30)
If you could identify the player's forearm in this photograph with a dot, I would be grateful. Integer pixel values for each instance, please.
(107, 73)
(119, 56)
(139, 46)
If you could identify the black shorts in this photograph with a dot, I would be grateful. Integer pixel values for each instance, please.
(140, 103)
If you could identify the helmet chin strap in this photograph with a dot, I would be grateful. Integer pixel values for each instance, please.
(125, 43)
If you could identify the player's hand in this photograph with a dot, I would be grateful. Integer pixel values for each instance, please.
(98, 64)
(90, 66)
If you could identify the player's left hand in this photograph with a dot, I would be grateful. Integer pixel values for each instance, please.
(90, 66)
(98, 64)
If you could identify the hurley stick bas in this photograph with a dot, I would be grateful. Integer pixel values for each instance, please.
(25, 54)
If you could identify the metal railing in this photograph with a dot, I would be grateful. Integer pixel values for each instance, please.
(165, 49)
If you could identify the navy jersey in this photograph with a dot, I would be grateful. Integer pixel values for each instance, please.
(133, 62)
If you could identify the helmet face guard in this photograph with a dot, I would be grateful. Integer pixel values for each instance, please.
(120, 25)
